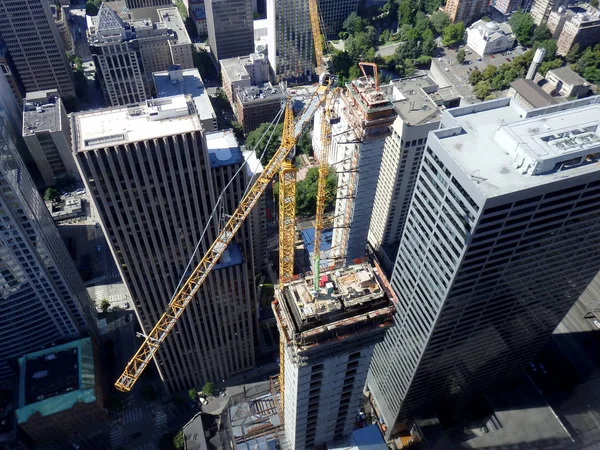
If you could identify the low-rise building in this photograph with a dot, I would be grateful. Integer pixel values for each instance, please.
(582, 29)
(567, 83)
(243, 71)
(529, 95)
(255, 105)
(47, 134)
(176, 81)
(68, 208)
(60, 392)
(489, 37)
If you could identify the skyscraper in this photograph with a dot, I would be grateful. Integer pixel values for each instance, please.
(230, 27)
(327, 344)
(155, 180)
(541, 9)
(35, 45)
(291, 45)
(417, 101)
(500, 240)
(43, 298)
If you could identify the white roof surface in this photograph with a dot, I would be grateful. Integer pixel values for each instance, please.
(504, 152)
(123, 124)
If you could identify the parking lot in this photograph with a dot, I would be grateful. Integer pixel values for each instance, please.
(458, 74)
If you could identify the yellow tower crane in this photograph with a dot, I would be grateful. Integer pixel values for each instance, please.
(292, 130)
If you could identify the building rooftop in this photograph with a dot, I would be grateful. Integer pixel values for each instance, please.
(257, 94)
(365, 91)
(532, 93)
(419, 100)
(491, 29)
(193, 434)
(172, 19)
(41, 112)
(253, 164)
(235, 68)
(55, 379)
(349, 299)
(223, 149)
(568, 76)
(118, 125)
(176, 81)
(505, 148)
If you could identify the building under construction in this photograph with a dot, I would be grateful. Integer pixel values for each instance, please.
(364, 116)
(327, 340)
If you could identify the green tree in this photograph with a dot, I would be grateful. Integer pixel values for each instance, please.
(91, 9)
(306, 192)
(550, 47)
(254, 137)
(354, 73)
(522, 27)
(353, 23)
(461, 55)
(482, 90)
(431, 6)
(304, 144)
(489, 72)
(439, 20)
(183, 11)
(594, 3)
(474, 77)
(148, 393)
(237, 130)
(179, 440)
(574, 53)
(51, 195)
(209, 389)
(453, 34)
(104, 305)
(204, 64)
(405, 12)
(549, 65)
(541, 33)
(193, 394)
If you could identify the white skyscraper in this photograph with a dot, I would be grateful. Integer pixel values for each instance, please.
(501, 238)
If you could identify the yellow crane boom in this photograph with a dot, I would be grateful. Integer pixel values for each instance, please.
(291, 131)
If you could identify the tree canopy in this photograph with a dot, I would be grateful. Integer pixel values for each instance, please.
(439, 20)
(209, 389)
(453, 34)
(522, 27)
(306, 192)
(588, 64)
(51, 194)
(254, 137)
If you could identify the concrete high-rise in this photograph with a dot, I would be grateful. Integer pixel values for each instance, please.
(36, 47)
(131, 4)
(500, 240)
(541, 9)
(364, 115)
(290, 39)
(418, 102)
(126, 53)
(230, 27)
(154, 177)
(47, 133)
(466, 11)
(328, 339)
(43, 298)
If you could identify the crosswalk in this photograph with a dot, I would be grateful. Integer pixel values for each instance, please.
(160, 420)
(131, 416)
(116, 436)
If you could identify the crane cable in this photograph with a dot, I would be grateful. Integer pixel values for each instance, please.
(272, 126)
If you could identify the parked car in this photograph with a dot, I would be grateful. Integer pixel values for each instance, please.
(532, 366)
(98, 248)
(597, 323)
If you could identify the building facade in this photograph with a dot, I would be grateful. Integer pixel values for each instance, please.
(364, 115)
(43, 298)
(47, 134)
(131, 4)
(198, 16)
(255, 105)
(126, 53)
(155, 183)
(493, 254)
(582, 29)
(9, 73)
(541, 9)
(323, 372)
(465, 11)
(230, 28)
(40, 59)
(418, 102)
